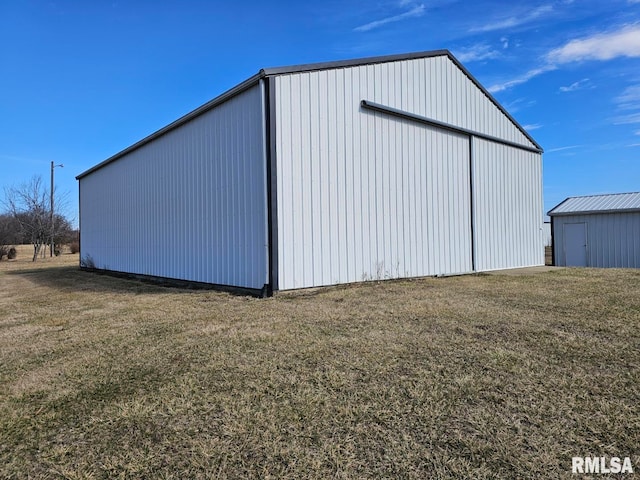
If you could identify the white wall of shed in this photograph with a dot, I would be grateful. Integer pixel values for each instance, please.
(432, 87)
(613, 239)
(363, 195)
(507, 188)
(190, 205)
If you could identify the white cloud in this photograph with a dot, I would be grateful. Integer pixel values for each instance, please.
(515, 20)
(629, 102)
(521, 79)
(505, 42)
(629, 98)
(627, 119)
(416, 11)
(579, 85)
(518, 104)
(559, 149)
(532, 126)
(624, 42)
(476, 53)
(13, 158)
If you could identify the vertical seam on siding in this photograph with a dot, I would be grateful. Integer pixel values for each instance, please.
(472, 214)
(271, 193)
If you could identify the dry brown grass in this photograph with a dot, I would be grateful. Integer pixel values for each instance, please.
(468, 377)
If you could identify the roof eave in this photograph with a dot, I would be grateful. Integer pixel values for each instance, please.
(232, 92)
(593, 212)
(273, 71)
(494, 101)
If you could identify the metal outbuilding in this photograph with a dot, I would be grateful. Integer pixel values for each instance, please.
(321, 174)
(597, 231)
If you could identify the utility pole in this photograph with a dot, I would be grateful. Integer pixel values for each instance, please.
(51, 246)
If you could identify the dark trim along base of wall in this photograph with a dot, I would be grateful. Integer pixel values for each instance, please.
(178, 283)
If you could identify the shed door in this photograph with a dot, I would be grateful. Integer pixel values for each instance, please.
(575, 244)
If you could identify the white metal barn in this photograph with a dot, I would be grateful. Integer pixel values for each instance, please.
(321, 174)
(597, 231)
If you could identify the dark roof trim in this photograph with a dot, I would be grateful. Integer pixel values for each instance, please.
(593, 212)
(446, 126)
(494, 101)
(550, 212)
(248, 83)
(310, 67)
(298, 69)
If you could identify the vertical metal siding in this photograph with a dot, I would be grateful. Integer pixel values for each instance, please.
(190, 205)
(362, 195)
(613, 239)
(507, 187)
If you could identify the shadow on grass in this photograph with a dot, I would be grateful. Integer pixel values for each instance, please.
(73, 278)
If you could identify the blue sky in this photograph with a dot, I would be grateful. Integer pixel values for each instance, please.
(81, 80)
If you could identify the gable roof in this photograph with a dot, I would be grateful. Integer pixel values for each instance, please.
(393, 58)
(592, 204)
(274, 71)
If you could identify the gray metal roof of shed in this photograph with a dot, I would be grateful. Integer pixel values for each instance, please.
(592, 204)
(266, 72)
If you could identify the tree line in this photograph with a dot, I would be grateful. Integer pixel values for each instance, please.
(27, 219)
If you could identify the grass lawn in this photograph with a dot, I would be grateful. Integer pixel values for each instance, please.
(479, 376)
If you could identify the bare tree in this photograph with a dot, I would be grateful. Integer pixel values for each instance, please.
(9, 234)
(29, 205)
(63, 234)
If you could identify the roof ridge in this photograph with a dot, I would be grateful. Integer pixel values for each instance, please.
(603, 195)
(351, 62)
